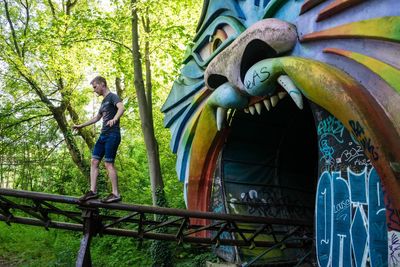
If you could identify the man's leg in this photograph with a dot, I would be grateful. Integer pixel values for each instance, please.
(94, 173)
(112, 173)
(98, 153)
(111, 148)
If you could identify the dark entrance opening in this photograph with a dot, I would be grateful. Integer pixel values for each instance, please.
(268, 166)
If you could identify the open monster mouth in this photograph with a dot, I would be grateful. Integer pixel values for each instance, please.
(268, 167)
(268, 164)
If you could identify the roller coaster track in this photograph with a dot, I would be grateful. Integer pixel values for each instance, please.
(141, 222)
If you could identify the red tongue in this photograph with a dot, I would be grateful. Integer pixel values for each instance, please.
(255, 99)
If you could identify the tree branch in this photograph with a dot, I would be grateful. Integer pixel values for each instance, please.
(14, 35)
(53, 10)
(26, 120)
(26, 6)
(70, 4)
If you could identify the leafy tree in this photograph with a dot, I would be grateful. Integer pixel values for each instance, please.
(34, 54)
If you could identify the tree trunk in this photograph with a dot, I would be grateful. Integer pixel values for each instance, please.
(118, 87)
(145, 116)
(149, 86)
(87, 134)
(73, 149)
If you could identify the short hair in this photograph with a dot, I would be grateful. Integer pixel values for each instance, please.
(99, 79)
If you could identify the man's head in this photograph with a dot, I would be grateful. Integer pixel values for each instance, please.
(99, 85)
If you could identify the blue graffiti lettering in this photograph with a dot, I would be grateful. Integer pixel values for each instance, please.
(332, 127)
(351, 212)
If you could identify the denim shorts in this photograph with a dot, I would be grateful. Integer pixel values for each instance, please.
(106, 146)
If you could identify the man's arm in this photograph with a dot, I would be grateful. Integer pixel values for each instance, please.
(93, 120)
(121, 109)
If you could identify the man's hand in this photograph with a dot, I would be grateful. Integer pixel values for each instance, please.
(111, 122)
(75, 128)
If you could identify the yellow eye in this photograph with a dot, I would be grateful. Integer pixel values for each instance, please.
(213, 39)
(217, 39)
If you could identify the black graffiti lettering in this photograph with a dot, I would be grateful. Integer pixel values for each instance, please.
(365, 141)
(366, 144)
(248, 84)
(356, 128)
(255, 74)
(265, 72)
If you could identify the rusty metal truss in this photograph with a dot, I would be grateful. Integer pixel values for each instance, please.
(141, 222)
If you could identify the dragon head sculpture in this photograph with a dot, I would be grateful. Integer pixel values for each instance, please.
(291, 109)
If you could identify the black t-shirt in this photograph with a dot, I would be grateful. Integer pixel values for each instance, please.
(108, 109)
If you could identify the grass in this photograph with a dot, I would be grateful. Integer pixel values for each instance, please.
(22, 245)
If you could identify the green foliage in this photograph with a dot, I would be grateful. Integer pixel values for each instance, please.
(35, 247)
(62, 53)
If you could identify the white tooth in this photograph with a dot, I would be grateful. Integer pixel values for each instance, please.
(267, 104)
(258, 108)
(221, 116)
(282, 95)
(246, 110)
(252, 110)
(289, 86)
(274, 100)
(229, 112)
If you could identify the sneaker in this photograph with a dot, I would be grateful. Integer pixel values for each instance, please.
(111, 198)
(89, 195)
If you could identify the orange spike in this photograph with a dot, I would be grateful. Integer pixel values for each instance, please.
(309, 5)
(336, 7)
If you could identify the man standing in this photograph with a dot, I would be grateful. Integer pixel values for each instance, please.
(111, 110)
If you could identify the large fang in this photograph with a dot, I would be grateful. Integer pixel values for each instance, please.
(258, 108)
(267, 104)
(221, 116)
(252, 110)
(289, 86)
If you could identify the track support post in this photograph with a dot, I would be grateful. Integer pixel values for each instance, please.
(90, 229)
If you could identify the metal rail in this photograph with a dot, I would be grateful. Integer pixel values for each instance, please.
(138, 221)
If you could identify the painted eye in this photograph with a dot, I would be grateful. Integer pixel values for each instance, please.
(217, 40)
(212, 38)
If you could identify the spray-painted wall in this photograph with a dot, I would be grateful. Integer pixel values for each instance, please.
(350, 216)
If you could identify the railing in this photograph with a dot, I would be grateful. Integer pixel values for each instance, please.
(138, 221)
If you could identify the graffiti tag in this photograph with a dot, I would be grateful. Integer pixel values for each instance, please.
(364, 141)
(331, 126)
(258, 77)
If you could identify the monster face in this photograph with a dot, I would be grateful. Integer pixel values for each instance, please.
(291, 109)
